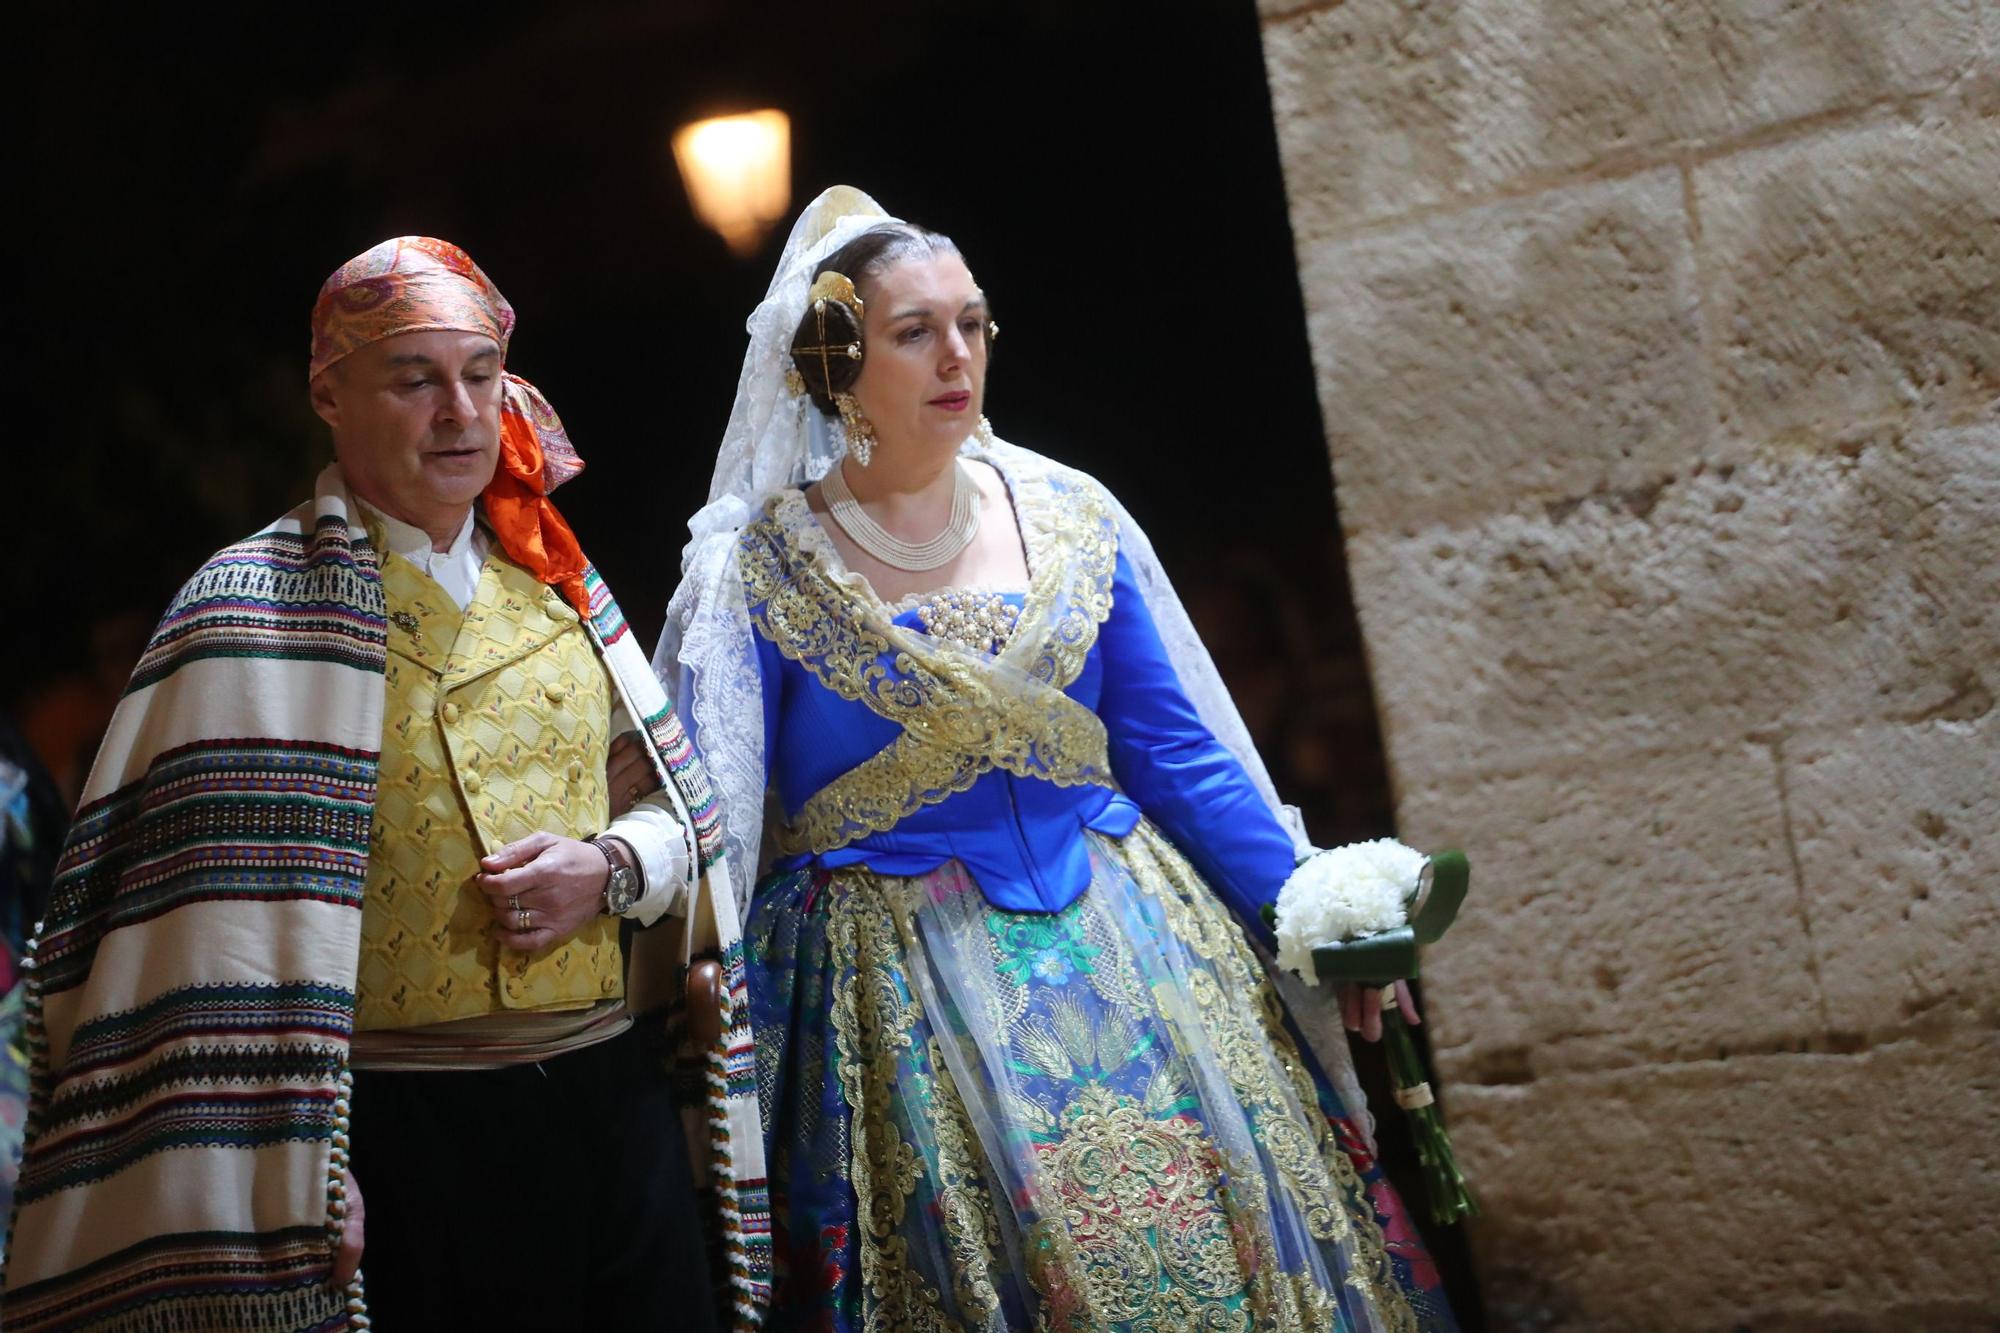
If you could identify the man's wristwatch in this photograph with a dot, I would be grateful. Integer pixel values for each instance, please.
(622, 889)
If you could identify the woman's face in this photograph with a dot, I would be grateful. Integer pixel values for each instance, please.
(923, 383)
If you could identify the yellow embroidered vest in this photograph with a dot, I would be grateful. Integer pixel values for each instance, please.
(497, 725)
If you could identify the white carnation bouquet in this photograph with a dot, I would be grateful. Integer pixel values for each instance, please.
(1356, 915)
(1346, 894)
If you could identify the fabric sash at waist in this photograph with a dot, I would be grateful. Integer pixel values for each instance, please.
(490, 1041)
(1019, 726)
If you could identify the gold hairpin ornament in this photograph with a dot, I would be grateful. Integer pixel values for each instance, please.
(831, 286)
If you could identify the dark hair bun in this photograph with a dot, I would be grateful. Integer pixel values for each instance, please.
(826, 351)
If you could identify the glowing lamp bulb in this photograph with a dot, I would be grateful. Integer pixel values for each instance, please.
(737, 170)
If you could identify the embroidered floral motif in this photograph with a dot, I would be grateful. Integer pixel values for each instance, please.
(1051, 946)
(1138, 1197)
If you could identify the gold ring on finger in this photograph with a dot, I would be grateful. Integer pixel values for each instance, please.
(515, 902)
(521, 919)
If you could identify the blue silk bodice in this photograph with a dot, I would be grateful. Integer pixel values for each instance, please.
(1022, 836)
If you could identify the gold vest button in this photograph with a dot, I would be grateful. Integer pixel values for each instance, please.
(556, 693)
(470, 780)
(576, 772)
(514, 988)
(450, 713)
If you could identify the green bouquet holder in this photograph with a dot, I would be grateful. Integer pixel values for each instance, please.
(1381, 961)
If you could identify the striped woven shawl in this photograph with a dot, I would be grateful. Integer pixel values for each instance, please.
(191, 991)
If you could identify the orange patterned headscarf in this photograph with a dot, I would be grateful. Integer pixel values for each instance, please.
(415, 284)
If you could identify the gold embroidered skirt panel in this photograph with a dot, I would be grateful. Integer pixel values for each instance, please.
(1093, 1119)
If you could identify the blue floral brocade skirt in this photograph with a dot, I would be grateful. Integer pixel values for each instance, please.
(1094, 1119)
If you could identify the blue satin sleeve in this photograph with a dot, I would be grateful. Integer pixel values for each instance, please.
(1185, 781)
(771, 675)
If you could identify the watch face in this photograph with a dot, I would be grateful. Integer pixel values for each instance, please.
(623, 889)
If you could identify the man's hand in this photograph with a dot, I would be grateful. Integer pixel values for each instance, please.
(557, 882)
(347, 1260)
(1361, 1009)
(628, 773)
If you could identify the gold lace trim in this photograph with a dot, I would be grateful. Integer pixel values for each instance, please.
(962, 714)
(1317, 1174)
(874, 1019)
(1039, 733)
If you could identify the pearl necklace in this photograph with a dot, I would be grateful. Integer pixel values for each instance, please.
(893, 551)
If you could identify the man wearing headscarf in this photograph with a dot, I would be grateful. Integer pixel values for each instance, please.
(345, 905)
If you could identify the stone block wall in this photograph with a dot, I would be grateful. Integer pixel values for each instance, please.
(1658, 345)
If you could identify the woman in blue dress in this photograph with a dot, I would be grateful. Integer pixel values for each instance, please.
(1019, 1063)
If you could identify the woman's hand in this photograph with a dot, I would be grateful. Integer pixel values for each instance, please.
(347, 1259)
(1361, 1009)
(629, 773)
(543, 889)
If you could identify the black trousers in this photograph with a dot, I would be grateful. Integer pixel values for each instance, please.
(545, 1196)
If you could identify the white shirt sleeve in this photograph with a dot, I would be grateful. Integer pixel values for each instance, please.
(655, 837)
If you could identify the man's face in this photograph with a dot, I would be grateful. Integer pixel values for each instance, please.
(416, 423)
